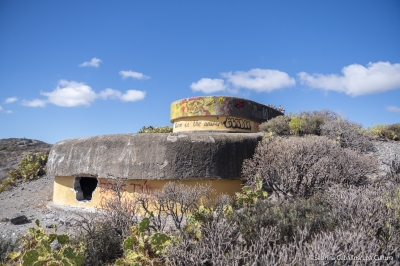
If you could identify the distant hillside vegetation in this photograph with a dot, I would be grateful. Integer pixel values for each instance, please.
(14, 149)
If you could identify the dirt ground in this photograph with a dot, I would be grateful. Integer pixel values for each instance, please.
(34, 200)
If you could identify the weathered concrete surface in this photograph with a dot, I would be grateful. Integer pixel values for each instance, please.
(160, 156)
(222, 106)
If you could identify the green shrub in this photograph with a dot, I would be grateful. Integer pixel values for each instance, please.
(278, 125)
(151, 129)
(395, 131)
(32, 166)
(311, 124)
(295, 125)
(6, 183)
(304, 122)
(250, 196)
(330, 124)
(388, 132)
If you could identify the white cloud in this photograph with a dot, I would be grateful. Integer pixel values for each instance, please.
(6, 111)
(11, 100)
(260, 80)
(95, 62)
(207, 85)
(128, 96)
(356, 79)
(34, 103)
(70, 94)
(133, 95)
(132, 74)
(110, 93)
(393, 109)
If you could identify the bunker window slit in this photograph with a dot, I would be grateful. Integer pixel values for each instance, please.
(84, 187)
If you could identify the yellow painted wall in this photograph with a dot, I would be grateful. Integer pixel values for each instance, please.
(64, 193)
(215, 123)
(204, 105)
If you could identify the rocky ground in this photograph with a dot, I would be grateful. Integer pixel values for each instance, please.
(31, 199)
(34, 199)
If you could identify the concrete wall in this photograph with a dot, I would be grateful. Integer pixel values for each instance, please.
(64, 193)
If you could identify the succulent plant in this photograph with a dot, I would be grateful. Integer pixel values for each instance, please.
(37, 249)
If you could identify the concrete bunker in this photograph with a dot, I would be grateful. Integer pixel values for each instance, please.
(84, 187)
(204, 152)
(219, 113)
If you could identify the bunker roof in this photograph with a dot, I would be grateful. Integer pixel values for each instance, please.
(154, 156)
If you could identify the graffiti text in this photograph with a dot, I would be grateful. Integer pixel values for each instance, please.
(237, 123)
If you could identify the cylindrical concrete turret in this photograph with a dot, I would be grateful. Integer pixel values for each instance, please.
(219, 113)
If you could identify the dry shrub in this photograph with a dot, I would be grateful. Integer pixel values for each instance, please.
(278, 125)
(330, 124)
(311, 125)
(327, 123)
(375, 208)
(103, 241)
(220, 244)
(303, 166)
(118, 210)
(224, 242)
(286, 217)
(174, 200)
(103, 232)
(325, 115)
(223, 200)
(342, 227)
(352, 246)
(311, 121)
(349, 134)
(394, 168)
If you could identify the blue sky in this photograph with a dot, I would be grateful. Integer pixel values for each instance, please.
(73, 69)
